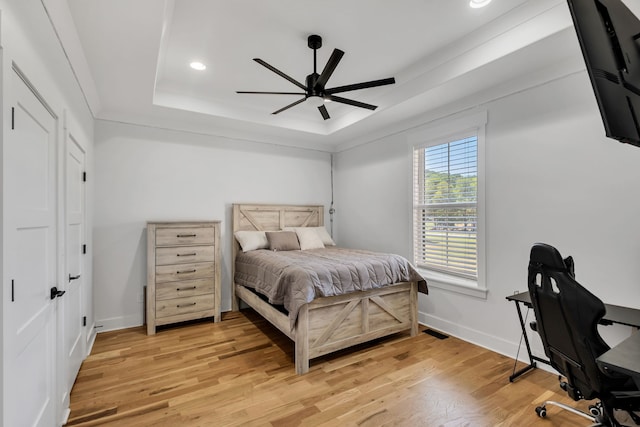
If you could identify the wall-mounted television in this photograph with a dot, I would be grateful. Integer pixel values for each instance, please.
(609, 36)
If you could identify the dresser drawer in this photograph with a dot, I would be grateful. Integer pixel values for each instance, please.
(185, 236)
(177, 306)
(174, 273)
(185, 288)
(184, 254)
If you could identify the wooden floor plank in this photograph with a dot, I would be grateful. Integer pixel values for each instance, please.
(240, 372)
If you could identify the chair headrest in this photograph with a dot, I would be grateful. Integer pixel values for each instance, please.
(547, 255)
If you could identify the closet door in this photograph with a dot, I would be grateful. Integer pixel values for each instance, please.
(31, 264)
(73, 306)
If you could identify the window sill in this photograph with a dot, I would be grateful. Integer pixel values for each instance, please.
(453, 283)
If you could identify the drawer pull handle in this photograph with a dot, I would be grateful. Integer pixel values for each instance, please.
(186, 271)
(191, 254)
(187, 289)
(186, 235)
(186, 305)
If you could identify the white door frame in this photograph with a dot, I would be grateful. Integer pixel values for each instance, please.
(72, 333)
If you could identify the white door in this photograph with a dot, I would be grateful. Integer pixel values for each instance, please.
(30, 329)
(72, 304)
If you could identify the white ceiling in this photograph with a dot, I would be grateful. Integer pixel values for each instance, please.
(136, 57)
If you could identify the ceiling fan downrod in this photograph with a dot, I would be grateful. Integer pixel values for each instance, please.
(314, 42)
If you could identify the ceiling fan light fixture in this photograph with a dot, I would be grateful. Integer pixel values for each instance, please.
(477, 4)
(198, 66)
(315, 100)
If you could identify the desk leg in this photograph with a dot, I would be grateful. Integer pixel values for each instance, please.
(532, 358)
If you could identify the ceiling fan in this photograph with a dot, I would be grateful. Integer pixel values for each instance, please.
(315, 83)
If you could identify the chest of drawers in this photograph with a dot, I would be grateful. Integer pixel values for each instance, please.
(183, 272)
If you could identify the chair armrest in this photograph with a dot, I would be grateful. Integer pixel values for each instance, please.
(626, 395)
(626, 400)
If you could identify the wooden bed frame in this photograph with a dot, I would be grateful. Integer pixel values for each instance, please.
(326, 324)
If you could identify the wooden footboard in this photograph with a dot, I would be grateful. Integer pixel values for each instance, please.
(330, 324)
(334, 323)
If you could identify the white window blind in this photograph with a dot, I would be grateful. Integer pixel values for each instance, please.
(446, 207)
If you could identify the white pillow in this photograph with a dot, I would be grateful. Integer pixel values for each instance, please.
(309, 238)
(251, 240)
(325, 236)
(322, 233)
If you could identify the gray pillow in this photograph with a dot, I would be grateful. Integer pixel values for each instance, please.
(283, 241)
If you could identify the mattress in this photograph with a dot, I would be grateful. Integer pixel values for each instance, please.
(295, 278)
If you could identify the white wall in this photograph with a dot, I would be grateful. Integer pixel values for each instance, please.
(552, 176)
(147, 174)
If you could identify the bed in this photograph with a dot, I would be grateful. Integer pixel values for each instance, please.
(329, 323)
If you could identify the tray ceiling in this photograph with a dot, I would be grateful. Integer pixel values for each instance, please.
(138, 52)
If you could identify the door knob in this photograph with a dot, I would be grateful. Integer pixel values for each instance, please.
(55, 293)
(71, 278)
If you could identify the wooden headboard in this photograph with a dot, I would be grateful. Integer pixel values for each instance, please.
(254, 217)
(276, 217)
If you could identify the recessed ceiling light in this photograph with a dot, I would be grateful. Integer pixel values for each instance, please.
(198, 66)
(476, 4)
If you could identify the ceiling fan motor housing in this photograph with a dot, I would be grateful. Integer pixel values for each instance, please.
(311, 85)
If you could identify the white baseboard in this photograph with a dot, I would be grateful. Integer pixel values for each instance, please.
(481, 339)
(91, 340)
(115, 323)
(65, 415)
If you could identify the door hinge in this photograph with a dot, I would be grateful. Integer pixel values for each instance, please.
(12, 292)
(84, 320)
(13, 118)
(84, 249)
(84, 177)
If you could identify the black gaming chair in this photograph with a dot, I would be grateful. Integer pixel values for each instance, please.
(567, 317)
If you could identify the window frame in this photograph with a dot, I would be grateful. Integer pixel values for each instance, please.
(441, 132)
(439, 205)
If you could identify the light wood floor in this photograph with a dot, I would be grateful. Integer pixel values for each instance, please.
(240, 372)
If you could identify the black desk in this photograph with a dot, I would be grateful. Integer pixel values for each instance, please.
(615, 314)
(624, 358)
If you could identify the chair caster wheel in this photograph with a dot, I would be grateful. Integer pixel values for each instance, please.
(541, 411)
(595, 410)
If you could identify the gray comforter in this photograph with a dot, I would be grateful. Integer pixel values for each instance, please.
(294, 278)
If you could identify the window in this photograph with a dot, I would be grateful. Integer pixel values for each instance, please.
(448, 203)
(446, 207)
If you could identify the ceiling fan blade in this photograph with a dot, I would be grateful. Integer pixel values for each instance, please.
(352, 102)
(280, 73)
(293, 104)
(356, 86)
(272, 93)
(329, 68)
(324, 112)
